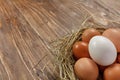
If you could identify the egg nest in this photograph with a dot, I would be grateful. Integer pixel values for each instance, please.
(62, 51)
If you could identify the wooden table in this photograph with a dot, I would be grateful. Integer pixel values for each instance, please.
(28, 26)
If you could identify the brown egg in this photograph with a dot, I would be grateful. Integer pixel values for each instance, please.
(89, 33)
(114, 35)
(86, 69)
(112, 72)
(80, 49)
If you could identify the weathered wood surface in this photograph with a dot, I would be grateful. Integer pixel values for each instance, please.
(27, 26)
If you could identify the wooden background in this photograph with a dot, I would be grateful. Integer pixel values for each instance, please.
(27, 26)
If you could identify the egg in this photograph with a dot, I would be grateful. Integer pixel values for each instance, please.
(86, 69)
(80, 49)
(112, 72)
(114, 35)
(102, 50)
(89, 33)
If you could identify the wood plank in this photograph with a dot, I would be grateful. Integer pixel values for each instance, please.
(27, 27)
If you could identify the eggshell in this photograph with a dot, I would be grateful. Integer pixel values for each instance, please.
(89, 33)
(86, 69)
(114, 35)
(112, 72)
(80, 49)
(102, 50)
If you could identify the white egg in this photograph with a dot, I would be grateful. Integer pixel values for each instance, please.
(102, 50)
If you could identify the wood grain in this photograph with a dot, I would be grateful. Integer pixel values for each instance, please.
(27, 27)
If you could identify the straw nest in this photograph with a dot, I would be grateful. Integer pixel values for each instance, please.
(62, 51)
